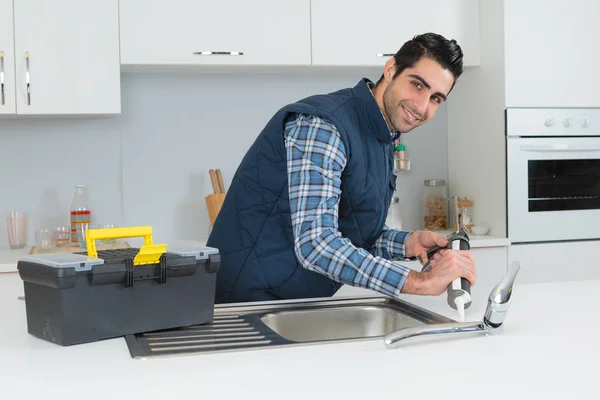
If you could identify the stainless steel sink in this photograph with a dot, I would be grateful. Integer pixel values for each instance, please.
(338, 323)
(285, 323)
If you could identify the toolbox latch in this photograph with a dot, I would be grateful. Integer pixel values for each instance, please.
(213, 263)
(129, 279)
(163, 269)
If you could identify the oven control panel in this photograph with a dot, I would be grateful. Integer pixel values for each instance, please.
(553, 122)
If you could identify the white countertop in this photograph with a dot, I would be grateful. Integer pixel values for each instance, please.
(9, 258)
(549, 349)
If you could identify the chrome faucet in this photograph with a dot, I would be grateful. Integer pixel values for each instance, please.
(495, 313)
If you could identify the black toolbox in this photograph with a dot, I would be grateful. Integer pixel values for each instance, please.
(88, 296)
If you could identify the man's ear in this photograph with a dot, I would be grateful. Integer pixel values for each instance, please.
(389, 70)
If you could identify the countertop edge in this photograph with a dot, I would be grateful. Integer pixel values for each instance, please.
(481, 242)
(8, 268)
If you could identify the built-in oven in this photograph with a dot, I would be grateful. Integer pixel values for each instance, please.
(553, 174)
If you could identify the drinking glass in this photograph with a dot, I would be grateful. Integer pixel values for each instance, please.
(16, 226)
(44, 240)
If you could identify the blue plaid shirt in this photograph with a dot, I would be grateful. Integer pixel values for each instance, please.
(316, 157)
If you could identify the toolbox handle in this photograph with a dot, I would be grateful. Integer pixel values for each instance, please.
(149, 253)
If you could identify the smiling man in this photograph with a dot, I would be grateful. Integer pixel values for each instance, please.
(306, 209)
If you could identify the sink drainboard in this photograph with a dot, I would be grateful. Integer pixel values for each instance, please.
(285, 323)
(226, 333)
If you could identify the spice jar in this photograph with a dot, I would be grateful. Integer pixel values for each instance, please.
(400, 151)
(464, 209)
(436, 211)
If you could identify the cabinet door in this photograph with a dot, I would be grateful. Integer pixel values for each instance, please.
(67, 56)
(556, 262)
(7, 61)
(551, 50)
(490, 264)
(225, 32)
(368, 33)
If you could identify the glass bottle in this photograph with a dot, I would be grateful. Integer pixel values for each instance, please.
(436, 210)
(80, 210)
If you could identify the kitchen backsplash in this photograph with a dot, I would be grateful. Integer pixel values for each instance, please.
(149, 165)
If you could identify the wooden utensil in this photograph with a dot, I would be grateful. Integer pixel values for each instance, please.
(220, 181)
(213, 180)
(214, 201)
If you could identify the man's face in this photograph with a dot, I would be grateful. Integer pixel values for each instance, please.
(414, 96)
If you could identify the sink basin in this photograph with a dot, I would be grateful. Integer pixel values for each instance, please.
(337, 323)
(262, 325)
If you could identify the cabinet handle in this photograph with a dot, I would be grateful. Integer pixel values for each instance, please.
(28, 79)
(218, 53)
(385, 54)
(557, 147)
(2, 76)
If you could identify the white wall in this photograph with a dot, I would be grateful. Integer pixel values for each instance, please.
(477, 149)
(41, 159)
(149, 166)
(426, 147)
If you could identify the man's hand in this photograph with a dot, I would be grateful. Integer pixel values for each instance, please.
(446, 266)
(419, 241)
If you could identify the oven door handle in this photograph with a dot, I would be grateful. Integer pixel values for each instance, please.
(555, 147)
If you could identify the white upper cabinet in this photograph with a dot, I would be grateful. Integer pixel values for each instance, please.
(552, 53)
(7, 60)
(66, 56)
(368, 33)
(224, 32)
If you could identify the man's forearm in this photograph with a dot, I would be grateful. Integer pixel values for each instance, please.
(391, 244)
(327, 252)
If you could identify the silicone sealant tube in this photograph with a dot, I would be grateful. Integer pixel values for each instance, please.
(459, 292)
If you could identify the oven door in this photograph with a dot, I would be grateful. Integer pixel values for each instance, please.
(553, 189)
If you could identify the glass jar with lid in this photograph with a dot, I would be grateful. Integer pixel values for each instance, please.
(436, 210)
(464, 210)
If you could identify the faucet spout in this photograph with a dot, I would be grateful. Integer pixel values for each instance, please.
(499, 299)
(495, 313)
(393, 339)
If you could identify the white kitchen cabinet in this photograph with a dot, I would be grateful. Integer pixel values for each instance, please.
(551, 50)
(225, 32)
(368, 33)
(66, 56)
(491, 266)
(556, 262)
(7, 60)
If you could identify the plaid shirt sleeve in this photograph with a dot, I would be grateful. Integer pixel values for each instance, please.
(315, 160)
(390, 244)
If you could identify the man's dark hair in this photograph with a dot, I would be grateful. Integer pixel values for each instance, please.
(445, 52)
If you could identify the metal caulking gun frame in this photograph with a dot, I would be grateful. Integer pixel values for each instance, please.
(459, 291)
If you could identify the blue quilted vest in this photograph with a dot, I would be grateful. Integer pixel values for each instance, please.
(253, 230)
